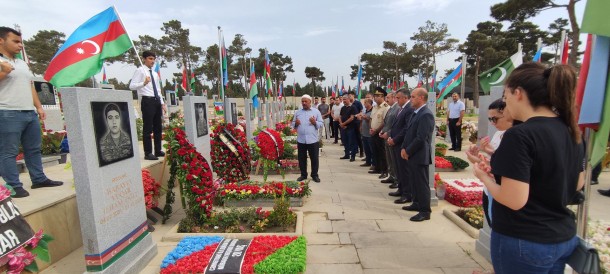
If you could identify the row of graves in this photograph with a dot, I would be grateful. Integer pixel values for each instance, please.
(233, 224)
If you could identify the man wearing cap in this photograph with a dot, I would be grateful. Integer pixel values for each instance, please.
(307, 121)
(377, 122)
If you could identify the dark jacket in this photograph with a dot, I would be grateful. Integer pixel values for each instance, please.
(400, 124)
(418, 137)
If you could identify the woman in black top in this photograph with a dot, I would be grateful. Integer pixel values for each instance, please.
(534, 172)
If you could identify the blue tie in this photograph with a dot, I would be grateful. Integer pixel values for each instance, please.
(152, 79)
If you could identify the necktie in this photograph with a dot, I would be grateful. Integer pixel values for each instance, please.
(152, 79)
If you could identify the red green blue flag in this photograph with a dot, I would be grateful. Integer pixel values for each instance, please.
(267, 74)
(253, 87)
(82, 55)
(453, 80)
(104, 79)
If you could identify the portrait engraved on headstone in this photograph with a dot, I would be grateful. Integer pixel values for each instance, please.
(45, 92)
(201, 119)
(113, 138)
(234, 113)
(252, 112)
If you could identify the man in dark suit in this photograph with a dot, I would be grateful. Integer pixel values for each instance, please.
(416, 150)
(395, 141)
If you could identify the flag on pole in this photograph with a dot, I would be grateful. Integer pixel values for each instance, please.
(342, 85)
(595, 19)
(449, 83)
(496, 75)
(420, 79)
(582, 76)
(359, 81)
(192, 83)
(537, 57)
(267, 74)
(225, 68)
(104, 79)
(280, 90)
(402, 84)
(83, 54)
(565, 50)
(157, 69)
(253, 87)
(294, 87)
(184, 78)
(388, 87)
(432, 88)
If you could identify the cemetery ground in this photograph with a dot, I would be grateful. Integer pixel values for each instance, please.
(351, 224)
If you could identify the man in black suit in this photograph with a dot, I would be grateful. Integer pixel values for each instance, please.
(395, 141)
(416, 150)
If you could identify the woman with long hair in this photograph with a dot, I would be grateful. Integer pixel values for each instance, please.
(534, 173)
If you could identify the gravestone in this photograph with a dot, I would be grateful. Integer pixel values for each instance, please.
(431, 104)
(196, 124)
(55, 119)
(172, 101)
(267, 116)
(250, 117)
(483, 242)
(260, 112)
(282, 111)
(276, 112)
(108, 180)
(231, 111)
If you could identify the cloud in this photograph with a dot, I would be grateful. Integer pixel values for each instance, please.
(412, 6)
(320, 31)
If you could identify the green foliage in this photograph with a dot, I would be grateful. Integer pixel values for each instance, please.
(42, 47)
(282, 216)
(473, 216)
(441, 145)
(292, 258)
(288, 151)
(139, 127)
(457, 163)
(51, 142)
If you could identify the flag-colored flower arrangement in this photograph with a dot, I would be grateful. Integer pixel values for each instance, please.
(464, 192)
(230, 153)
(258, 190)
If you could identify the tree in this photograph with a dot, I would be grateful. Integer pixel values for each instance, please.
(554, 38)
(237, 49)
(177, 46)
(432, 40)
(314, 74)
(519, 10)
(526, 33)
(42, 47)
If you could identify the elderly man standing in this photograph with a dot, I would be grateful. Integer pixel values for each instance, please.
(307, 121)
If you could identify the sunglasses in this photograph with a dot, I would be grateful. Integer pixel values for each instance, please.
(494, 119)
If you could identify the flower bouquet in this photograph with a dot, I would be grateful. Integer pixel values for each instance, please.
(151, 189)
(230, 153)
(464, 192)
(251, 190)
(271, 148)
(262, 254)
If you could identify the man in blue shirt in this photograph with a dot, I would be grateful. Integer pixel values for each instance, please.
(307, 121)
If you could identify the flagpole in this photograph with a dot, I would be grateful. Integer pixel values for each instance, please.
(131, 41)
(220, 81)
(561, 44)
(464, 76)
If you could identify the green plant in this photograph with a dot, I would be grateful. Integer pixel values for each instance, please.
(438, 153)
(442, 129)
(288, 151)
(441, 145)
(457, 162)
(239, 113)
(140, 127)
(473, 216)
(292, 258)
(51, 142)
(281, 215)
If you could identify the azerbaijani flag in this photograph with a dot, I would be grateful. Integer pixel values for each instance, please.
(193, 82)
(157, 69)
(420, 79)
(453, 80)
(225, 67)
(267, 73)
(281, 92)
(432, 88)
(83, 54)
(565, 51)
(342, 86)
(359, 80)
(104, 79)
(538, 56)
(253, 87)
(184, 78)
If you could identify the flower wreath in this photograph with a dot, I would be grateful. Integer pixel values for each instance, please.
(231, 161)
(271, 148)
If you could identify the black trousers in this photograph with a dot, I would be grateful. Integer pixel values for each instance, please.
(314, 154)
(402, 174)
(151, 116)
(359, 139)
(418, 176)
(379, 153)
(455, 132)
(336, 129)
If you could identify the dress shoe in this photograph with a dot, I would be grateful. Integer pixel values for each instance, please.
(335, 143)
(594, 182)
(422, 216)
(315, 179)
(361, 155)
(457, 149)
(353, 159)
(604, 192)
(393, 186)
(344, 158)
(47, 183)
(160, 154)
(383, 175)
(20, 192)
(388, 180)
(365, 164)
(395, 194)
(402, 201)
(452, 149)
(302, 178)
(363, 160)
(373, 167)
(411, 207)
(150, 156)
(374, 172)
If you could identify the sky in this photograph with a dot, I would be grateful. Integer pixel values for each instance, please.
(330, 35)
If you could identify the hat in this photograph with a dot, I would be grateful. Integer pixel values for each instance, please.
(380, 91)
(306, 97)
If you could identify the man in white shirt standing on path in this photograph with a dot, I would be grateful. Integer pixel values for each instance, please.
(145, 81)
(307, 121)
(454, 121)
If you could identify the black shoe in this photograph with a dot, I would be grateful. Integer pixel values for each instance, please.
(301, 179)
(344, 158)
(373, 167)
(316, 179)
(20, 192)
(395, 194)
(47, 183)
(594, 182)
(365, 164)
(361, 155)
(160, 154)
(374, 172)
(411, 208)
(422, 216)
(383, 175)
(363, 160)
(353, 159)
(334, 142)
(393, 186)
(388, 180)
(604, 192)
(457, 149)
(150, 156)
(452, 149)
(402, 201)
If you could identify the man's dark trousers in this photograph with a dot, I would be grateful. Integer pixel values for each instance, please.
(455, 132)
(314, 154)
(151, 116)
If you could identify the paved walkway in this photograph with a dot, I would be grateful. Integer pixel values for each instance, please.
(352, 226)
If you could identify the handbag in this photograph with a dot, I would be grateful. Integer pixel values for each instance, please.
(584, 258)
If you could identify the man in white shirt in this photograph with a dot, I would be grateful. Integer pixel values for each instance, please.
(145, 81)
(335, 113)
(455, 113)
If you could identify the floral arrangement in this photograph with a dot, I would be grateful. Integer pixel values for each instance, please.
(473, 216)
(464, 192)
(449, 162)
(259, 190)
(265, 254)
(437, 180)
(51, 141)
(151, 189)
(440, 162)
(193, 173)
(598, 235)
(230, 162)
(23, 257)
(290, 164)
(271, 148)
(469, 127)
(242, 220)
(285, 128)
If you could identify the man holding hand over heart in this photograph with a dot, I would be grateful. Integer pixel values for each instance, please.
(307, 121)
